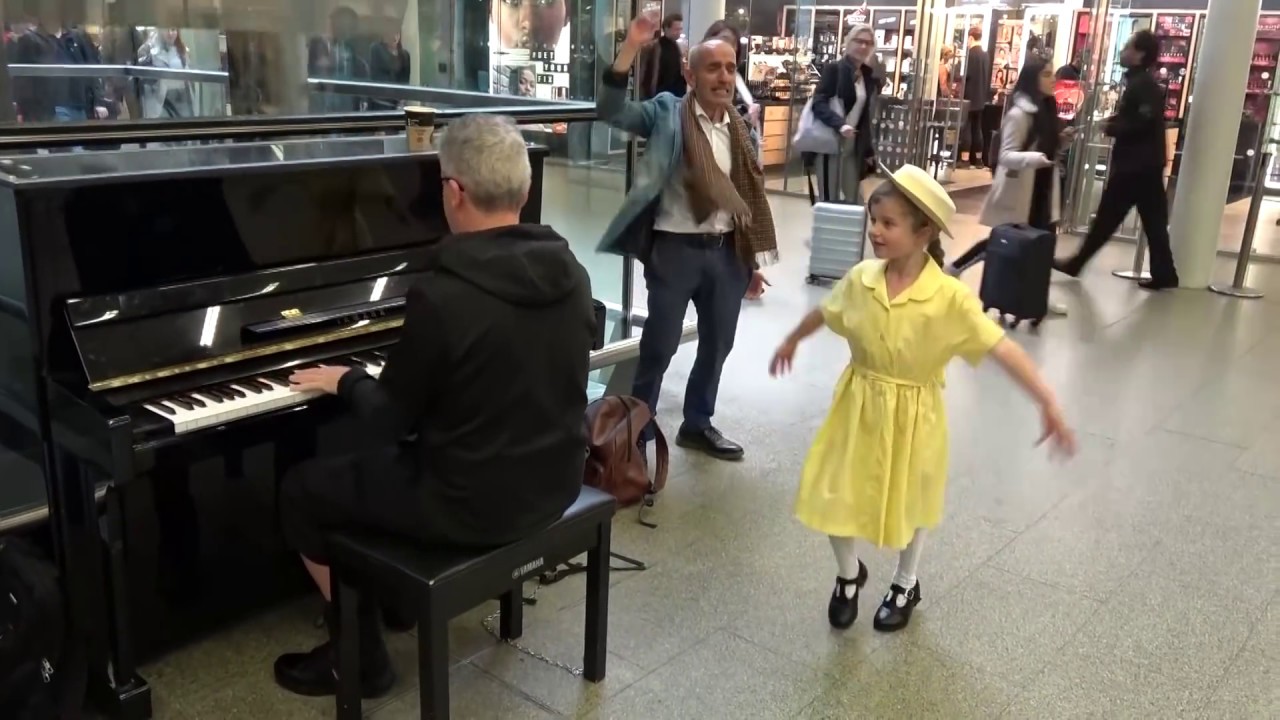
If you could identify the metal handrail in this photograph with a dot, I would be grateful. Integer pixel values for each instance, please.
(118, 71)
(88, 133)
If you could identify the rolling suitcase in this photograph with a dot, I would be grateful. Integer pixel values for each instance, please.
(839, 232)
(1015, 281)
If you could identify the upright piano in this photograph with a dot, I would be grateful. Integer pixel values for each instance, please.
(152, 305)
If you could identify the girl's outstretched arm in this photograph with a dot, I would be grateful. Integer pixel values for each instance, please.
(810, 324)
(1023, 370)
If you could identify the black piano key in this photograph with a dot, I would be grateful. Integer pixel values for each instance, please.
(281, 375)
(193, 400)
(162, 408)
(259, 385)
(274, 383)
(180, 403)
(232, 392)
(210, 396)
(249, 386)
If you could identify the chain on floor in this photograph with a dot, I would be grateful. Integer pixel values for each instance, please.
(488, 624)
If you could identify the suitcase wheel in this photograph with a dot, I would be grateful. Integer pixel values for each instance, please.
(1016, 322)
(1035, 322)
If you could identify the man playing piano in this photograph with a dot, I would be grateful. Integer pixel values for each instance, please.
(476, 421)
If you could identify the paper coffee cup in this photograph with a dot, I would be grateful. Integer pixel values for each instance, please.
(419, 127)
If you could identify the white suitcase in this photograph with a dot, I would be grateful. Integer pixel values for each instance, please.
(839, 234)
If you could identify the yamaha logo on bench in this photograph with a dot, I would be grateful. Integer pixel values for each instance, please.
(526, 569)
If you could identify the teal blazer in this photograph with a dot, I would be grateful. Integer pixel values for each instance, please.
(658, 121)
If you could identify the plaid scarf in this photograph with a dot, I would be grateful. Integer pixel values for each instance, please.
(740, 193)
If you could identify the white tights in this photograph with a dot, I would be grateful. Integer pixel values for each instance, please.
(908, 560)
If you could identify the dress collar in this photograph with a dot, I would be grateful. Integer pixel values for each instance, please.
(925, 286)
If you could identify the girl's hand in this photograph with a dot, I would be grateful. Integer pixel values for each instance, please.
(1056, 430)
(782, 358)
(848, 131)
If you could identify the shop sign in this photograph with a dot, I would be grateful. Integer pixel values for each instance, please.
(858, 16)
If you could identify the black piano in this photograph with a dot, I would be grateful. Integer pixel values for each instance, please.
(152, 306)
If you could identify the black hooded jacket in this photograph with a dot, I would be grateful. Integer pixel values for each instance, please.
(486, 390)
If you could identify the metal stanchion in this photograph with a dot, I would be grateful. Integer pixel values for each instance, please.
(1237, 288)
(1139, 258)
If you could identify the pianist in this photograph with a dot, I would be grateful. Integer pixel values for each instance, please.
(476, 430)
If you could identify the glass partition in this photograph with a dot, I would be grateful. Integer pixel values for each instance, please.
(122, 60)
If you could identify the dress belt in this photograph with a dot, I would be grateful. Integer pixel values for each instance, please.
(888, 379)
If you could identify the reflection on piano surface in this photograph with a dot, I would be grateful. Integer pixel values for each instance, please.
(164, 311)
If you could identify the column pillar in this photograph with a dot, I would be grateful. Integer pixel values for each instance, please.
(698, 16)
(1221, 72)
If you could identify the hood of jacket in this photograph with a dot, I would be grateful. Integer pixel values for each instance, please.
(526, 265)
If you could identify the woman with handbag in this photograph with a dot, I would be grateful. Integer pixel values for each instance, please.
(854, 83)
(1025, 188)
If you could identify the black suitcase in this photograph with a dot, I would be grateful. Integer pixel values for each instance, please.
(1015, 281)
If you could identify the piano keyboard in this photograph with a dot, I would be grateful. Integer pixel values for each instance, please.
(227, 402)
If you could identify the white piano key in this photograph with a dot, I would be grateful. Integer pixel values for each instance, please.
(237, 408)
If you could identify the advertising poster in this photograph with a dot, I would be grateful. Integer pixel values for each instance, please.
(1069, 95)
(529, 48)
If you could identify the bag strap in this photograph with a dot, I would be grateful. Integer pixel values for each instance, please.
(661, 465)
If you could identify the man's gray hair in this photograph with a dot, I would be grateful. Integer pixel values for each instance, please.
(486, 155)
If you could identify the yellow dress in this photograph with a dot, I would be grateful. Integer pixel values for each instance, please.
(878, 466)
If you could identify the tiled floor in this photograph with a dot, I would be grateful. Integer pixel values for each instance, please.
(1139, 581)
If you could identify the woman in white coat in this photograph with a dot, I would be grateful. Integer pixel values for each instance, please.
(1025, 188)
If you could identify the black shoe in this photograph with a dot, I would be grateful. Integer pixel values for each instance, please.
(711, 442)
(312, 674)
(1067, 268)
(843, 610)
(895, 611)
(1157, 285)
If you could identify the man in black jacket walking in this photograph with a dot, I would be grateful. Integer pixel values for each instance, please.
(475, 425)
(1136, 175)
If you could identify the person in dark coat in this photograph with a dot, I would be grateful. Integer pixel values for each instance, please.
(977, 92)
(1136, 175)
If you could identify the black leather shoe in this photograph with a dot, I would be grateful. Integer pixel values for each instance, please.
(843, 610)
(711, 442)
(1066, 267)
(311, 673)
(895, 611)
(1157, 285)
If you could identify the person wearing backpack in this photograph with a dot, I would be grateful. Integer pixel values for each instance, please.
(1025, 189)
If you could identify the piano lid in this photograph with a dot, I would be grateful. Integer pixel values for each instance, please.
(93, 167)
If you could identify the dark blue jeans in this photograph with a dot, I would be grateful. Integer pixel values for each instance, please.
(680, 269)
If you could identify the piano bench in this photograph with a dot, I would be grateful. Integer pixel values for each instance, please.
(444, 583)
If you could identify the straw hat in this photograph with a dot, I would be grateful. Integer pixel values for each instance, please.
(924, 192)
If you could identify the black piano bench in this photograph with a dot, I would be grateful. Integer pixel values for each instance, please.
(446, 583)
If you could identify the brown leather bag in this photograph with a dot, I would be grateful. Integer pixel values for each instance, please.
(615, 462)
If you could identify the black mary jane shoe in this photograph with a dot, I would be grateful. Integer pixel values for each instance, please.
(843, 610)
(710, 441)
(895, 611)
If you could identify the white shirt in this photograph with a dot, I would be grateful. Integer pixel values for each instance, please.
(674, 214)
(859, 103)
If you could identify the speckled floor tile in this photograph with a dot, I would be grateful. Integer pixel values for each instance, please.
(1250, 689)
(1005, 625)
(905, 680)
(473, 695)
(1084, 683)
(725, 676)
(1186, 631)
